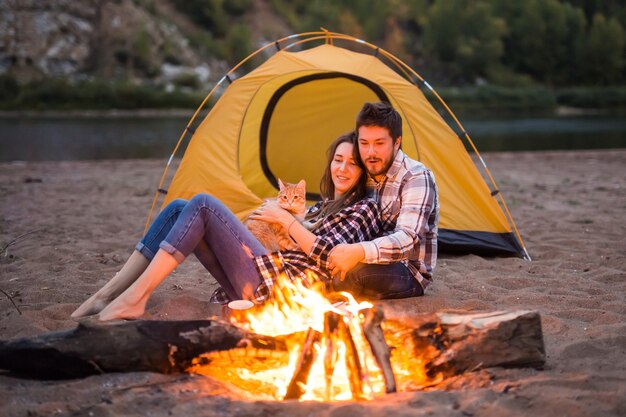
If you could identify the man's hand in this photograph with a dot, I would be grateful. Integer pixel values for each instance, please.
(342, 258)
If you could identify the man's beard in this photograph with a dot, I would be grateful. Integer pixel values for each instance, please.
(384, 169)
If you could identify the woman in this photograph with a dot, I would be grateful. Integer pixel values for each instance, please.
(240, 264)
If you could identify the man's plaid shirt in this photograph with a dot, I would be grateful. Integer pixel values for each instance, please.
(409, 207)
(358, 222)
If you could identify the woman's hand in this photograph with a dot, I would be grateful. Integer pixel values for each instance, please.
(271, 212)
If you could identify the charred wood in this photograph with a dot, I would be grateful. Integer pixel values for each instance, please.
(296, 387)
(331, 335)
(353, 363)
(95, 347)
(453, 343)
(376, 339)
(445, 343)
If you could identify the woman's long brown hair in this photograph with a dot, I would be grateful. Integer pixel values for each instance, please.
(357, 192)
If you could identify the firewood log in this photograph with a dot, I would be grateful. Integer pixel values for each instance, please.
(376, 339)
(448, 343)
(296, 389)
(95, 347)
(331, 334)
(453, 343)
(353, 363)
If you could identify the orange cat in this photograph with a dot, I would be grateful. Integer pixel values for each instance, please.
(291, 197)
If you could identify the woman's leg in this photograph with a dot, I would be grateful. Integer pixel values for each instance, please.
(211, 262)
(136, 263)
(132, 269)
(223, 245)
(132, 302)
(204, 223)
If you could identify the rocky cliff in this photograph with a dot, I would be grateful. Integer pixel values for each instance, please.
(140, 39)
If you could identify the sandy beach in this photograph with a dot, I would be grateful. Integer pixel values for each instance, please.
(78, 221)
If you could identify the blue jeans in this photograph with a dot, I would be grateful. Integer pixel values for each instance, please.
(375, 282)
(206, 227)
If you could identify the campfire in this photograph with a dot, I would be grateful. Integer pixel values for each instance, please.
(305, 345)
(336, 349)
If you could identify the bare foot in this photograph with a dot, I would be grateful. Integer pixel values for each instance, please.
(118, 309)
(93, 305)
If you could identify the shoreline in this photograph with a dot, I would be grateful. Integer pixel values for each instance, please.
(465, 112)
(111, 113)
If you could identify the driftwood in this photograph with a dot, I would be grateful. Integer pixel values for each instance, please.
(94, 347)
(446, 343)
(451, 343)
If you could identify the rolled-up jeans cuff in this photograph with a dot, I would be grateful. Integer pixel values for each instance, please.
(145, 251)
(178, 255)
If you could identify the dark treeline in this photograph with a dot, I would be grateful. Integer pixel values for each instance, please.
(495, 53)
(454, 42)
(505, 42)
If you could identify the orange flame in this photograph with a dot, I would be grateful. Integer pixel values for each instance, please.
(292, 311)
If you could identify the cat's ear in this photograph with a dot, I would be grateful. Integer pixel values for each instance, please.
(281, 186)
(302, 184)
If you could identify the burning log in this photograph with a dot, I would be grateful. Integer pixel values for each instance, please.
(376, 339)
(450, 343)
(331, 333)
(353, 363)
(305, 361)
(442, 344)
(95, 347)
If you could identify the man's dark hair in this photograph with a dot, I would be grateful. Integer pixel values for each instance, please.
(380, 114)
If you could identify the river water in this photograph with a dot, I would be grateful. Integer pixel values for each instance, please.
(83, 138)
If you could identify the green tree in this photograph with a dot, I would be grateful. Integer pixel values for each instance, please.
(544, 38)
(238, 43)
(349, 25)
(603, 54)
(141, 50)
(371, 14)
(237, 7)
(571, 53)
(208, 13)
(320, 14)
(394, 38)
(464, 36)
(613, 8)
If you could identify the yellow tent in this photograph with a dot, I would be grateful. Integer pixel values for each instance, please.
(277, 121)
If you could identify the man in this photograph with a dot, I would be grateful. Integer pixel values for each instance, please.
(400, 263)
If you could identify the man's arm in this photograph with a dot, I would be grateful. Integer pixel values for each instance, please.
(360, 222)
(418, 200)
(419, 196)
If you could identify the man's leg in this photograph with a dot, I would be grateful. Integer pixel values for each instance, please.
(373, 281)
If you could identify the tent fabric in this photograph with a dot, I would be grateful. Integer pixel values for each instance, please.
(278, 120)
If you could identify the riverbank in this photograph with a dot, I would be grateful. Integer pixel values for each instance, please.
(111, 113)
(79, 220)
(100, 95)
(559, 111)
(491, 99)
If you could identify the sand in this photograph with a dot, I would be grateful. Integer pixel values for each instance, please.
(82, 219)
